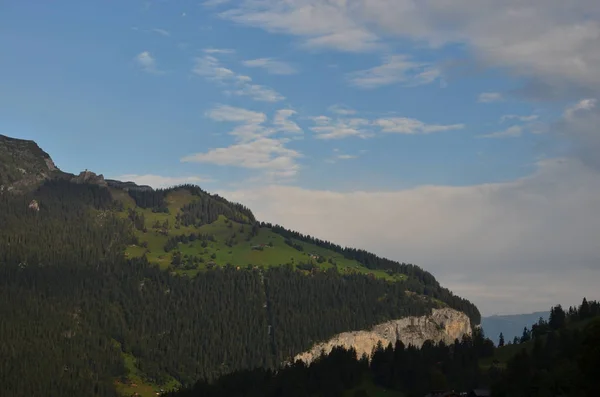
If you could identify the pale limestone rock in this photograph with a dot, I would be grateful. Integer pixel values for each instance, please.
(442, 325)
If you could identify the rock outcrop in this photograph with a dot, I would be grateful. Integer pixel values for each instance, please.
(23, 165)
(89, 177)
(442, 325)
(34, 206)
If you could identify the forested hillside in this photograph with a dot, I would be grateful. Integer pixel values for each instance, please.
(559, 358)
(107, 289)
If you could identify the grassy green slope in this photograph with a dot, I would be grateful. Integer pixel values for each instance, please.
(217, 253)
(241, 253)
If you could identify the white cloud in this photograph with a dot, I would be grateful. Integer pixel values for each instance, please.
(210, 67)
(531, 117)
(513, 131)
(157, 181)
(218, 50)
(353, 40)
(147, 62)
(404, 125)
(263, 154)
(580, 128)
(523, 245)
(271, 65)
(256, 147)
(162, 32)
(342, 110)
(395, 69)
(343, 127)
(259, 93)
(283, 123)
(328, 128)
(341, 156)
(488, 97)
(539, 39)
(322, 23)
(584, 104)
(233, 114)
(214, 3)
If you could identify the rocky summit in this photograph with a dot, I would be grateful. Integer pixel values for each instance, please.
(23, 164)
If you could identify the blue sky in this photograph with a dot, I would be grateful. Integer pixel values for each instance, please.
(258, 97)
(92, 82)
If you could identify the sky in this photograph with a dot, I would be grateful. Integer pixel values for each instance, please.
(461, 136)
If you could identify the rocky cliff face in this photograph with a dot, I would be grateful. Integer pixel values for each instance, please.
(442, 325)
(23, 164)
(89, 177)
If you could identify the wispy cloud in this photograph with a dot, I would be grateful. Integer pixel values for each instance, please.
(396, 69)
(342, 110)
(506, 117)
(265, 154)
(329, 128)
(256, 145)
(210, 67)
(214, 3)
(579, 126)
(237, 115)
(405, 125)
(147, 62)
(511, 132)
(551, 46)
(488, 97)
(337, 156)
(162, 32)
(344, 126)
(219, 50)
(282, 121)
(258, 93)
(584, 104)
(271, 65)
(321, 24)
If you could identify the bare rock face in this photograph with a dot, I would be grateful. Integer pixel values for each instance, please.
(34, 206)
(442, 325)
(23, 165)
(89, 177)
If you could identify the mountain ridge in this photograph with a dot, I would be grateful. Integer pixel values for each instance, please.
(187, 260)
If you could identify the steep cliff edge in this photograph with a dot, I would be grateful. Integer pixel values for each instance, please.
(442, 325)
(23, 164)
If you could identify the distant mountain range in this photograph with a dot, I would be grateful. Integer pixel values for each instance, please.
(510, 325)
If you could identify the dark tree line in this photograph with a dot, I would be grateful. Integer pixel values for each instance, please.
(424, 282)
(206, 210)
(560, 319)
(411, 371)
(564, 362)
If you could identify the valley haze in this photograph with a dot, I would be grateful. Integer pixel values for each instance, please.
(462, 138)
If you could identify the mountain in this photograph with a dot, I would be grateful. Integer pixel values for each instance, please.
(509, 325)
(108, 288)
(23, 163)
